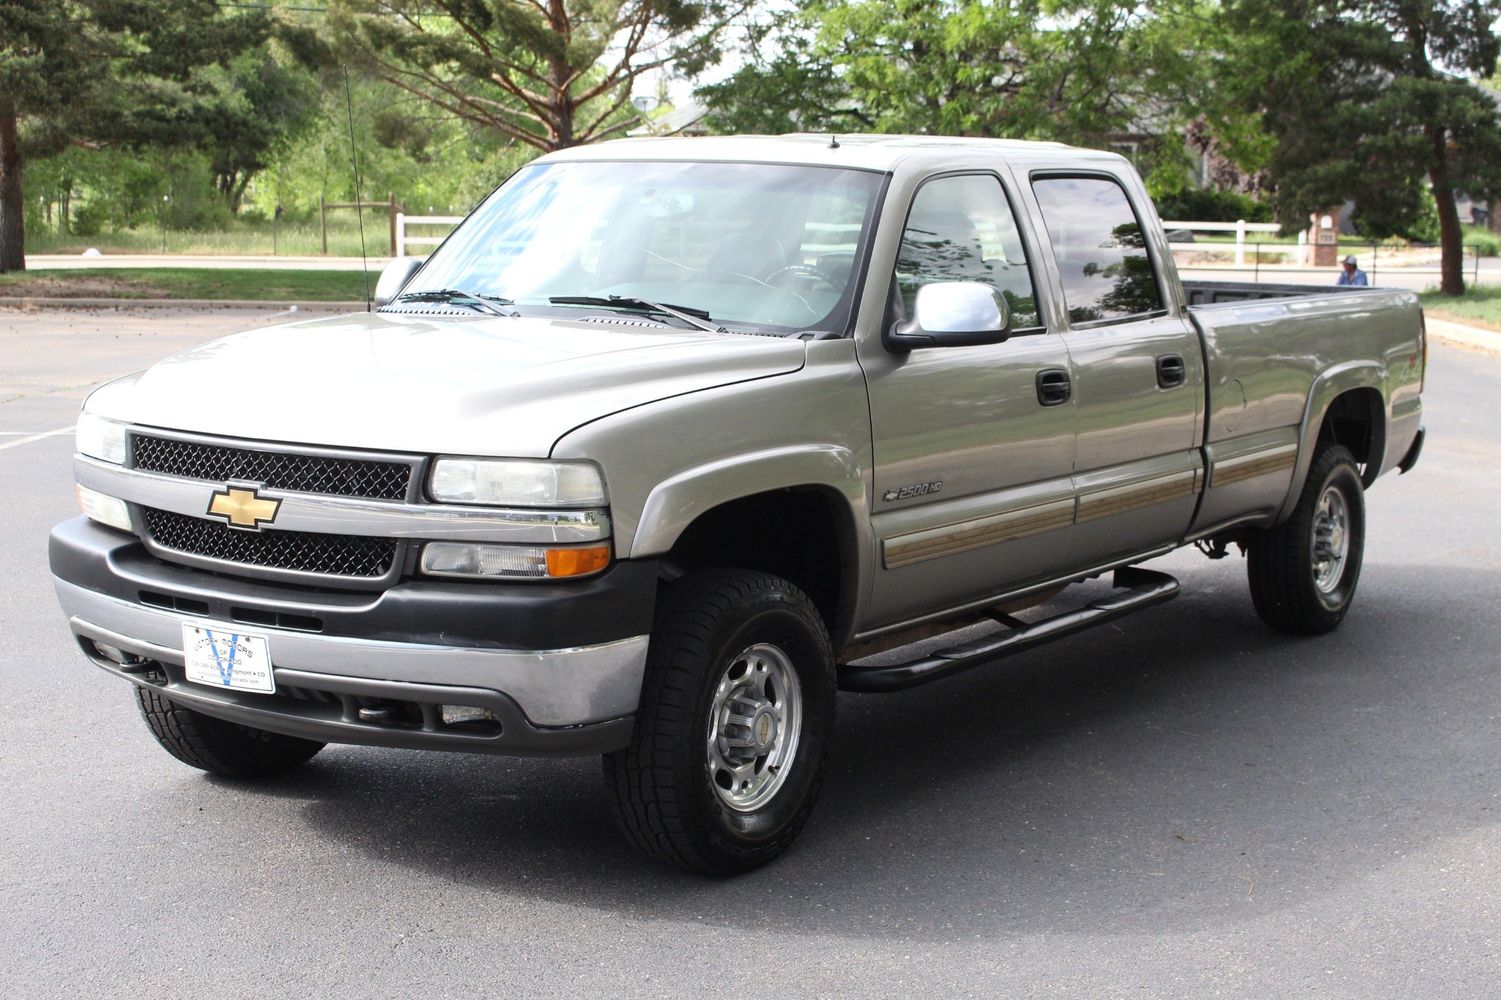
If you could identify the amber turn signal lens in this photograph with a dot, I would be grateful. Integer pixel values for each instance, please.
(577, 562)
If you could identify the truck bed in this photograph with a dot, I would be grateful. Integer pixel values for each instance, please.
(1207, 293)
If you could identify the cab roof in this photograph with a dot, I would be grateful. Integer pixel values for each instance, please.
(860, 151)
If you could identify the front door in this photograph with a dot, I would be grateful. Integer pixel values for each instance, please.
(1138, 373)
(974, 446)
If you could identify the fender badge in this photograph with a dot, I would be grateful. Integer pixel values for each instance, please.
(908, 492)
(243, 508)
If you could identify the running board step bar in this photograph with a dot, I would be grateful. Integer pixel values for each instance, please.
(1136, 589)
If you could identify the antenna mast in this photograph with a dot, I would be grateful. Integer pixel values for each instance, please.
(359, 197)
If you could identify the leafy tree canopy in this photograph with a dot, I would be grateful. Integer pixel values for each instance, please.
(1371, 102)
(544, 73)
(105, 73)
(1075, 70)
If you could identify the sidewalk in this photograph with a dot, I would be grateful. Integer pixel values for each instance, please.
(1472, 337)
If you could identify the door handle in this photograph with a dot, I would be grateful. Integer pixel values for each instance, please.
(1171, 371)
(1053, 387)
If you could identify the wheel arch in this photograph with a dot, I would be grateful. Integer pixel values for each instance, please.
(794, 512)
(1348, 405)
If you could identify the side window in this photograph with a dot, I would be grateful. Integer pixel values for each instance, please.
(961, 229)
(1101, 252)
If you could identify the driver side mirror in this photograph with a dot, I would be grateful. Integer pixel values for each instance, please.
(393, 278)
(953, 314)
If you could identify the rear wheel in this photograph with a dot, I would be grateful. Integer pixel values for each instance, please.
(1303, 572)
(737, 708)
(217, 746)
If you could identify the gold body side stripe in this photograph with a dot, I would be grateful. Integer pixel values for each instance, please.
(951, 539)
(1259, 463)
(992, 529)
(1120, 499)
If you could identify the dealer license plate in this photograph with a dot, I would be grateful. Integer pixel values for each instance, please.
(225, 657)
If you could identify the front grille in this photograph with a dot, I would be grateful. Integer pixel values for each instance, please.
(352, 556)
(343, 477)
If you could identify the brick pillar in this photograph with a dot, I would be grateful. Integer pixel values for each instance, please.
(1324, 235)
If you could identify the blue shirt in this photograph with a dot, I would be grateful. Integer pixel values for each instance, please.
(1346, 278)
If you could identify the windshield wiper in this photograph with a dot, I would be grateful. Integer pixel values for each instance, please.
(688, 314)
(484, 303)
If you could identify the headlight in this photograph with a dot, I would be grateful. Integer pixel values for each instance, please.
(517, 483)
(101, 439)
(515, 562)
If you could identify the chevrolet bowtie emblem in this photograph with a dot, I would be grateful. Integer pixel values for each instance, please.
(243, 508)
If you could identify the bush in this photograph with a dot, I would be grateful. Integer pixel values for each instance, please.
(89, 218)
(1208, 205)
(1483, 240)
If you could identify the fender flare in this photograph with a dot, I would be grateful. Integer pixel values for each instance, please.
(676, 502)
(1328, 387)
(680, 499)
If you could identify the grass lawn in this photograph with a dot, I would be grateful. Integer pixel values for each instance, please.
(187, 283)
(1478, 306)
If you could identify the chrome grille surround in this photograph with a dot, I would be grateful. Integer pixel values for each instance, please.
(311, 558)
(169, 514)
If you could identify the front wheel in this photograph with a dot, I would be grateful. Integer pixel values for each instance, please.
(737, 709)
(217, 746)
(1303, 572)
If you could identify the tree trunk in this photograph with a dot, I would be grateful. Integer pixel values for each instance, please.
(559, 70)
(12, 222)
(237, 193)
(1451, 237)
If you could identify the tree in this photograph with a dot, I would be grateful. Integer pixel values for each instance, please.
(103, 73)
(1365, 101)
(261, 105)
(1077, 70)
(546, 73)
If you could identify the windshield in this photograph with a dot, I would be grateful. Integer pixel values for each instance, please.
(751, 245)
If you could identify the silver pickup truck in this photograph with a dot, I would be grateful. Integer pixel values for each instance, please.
(673, 439)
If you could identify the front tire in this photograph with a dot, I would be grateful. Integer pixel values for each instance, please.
(1303, 572)
(220, 747)
(737, 711)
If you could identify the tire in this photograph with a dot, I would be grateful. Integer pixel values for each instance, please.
(217, 746)
(1294, 589)
(696, 788)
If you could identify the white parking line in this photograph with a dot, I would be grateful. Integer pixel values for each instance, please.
(35, 437)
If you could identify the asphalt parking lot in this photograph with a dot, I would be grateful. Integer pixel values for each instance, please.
(1183, 804)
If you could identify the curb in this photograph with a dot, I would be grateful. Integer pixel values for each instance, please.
(1473, 337)
(43, 302)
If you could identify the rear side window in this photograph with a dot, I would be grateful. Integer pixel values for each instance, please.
(1100, 248)
(960, 228)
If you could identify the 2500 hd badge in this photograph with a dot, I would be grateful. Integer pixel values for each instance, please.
(908, 492)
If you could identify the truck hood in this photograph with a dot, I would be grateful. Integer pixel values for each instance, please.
(491, 386)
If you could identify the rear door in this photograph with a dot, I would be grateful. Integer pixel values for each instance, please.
(1138, 369)
(973, 462)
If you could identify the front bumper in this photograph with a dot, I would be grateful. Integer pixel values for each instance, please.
(557, 668)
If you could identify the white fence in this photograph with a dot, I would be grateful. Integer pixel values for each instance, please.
(403, 221)
(1240, 228)
(1298, 252)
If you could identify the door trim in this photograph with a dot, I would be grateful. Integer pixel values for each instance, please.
(974, 533)
(1133, 496)
(1260, 462)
